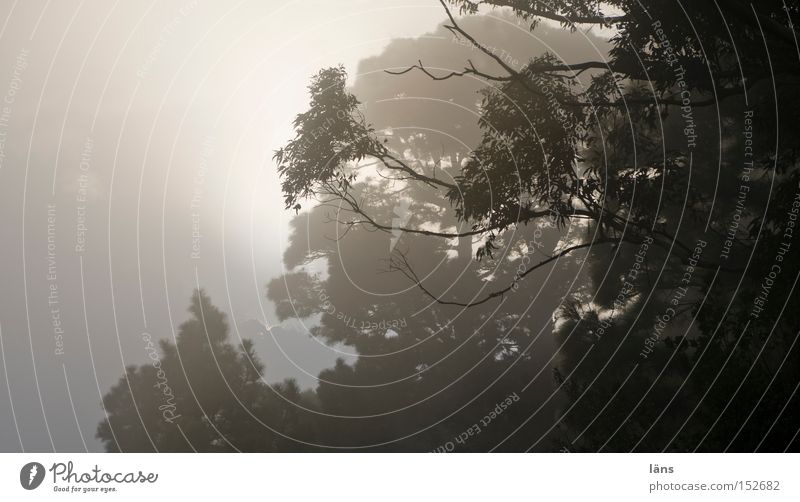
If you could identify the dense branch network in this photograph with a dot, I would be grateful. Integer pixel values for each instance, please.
(553, 181)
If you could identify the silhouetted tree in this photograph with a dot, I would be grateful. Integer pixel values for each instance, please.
(614, 222)
(202, 393)
(649, 148)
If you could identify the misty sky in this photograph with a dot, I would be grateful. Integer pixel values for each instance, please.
(130, 125)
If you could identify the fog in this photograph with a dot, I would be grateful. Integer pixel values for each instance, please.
(136, 166)
(398, 225)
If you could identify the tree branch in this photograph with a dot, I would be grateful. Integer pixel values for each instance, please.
(408, 271)
(402, 166)
(562, 18)
(471, 70)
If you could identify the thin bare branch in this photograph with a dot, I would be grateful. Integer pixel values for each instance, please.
(470, 70)
(408, 271)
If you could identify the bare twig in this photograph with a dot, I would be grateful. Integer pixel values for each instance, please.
(470, 70)
(408, 271)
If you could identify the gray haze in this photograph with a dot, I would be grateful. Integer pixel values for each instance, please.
(135, 165)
